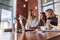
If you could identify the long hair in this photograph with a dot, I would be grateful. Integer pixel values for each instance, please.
(51, 12)
(44, 16)
(30, 16)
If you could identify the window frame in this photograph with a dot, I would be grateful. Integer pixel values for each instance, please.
(42, 5)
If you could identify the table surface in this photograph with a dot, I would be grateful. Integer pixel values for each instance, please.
(31, 35)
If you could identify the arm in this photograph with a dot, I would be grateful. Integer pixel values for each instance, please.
(54, 27)
(48, 24)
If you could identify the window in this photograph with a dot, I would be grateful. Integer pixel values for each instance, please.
(47, 7)
(57, 7)
(48, 4)
(56, 0)
(53, 4)
(7, 2)
(46, 1)
(0, 1)
(6, 14)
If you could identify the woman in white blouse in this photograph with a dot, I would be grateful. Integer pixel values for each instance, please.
(32, 20)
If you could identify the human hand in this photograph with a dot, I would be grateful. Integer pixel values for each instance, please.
(48, 21)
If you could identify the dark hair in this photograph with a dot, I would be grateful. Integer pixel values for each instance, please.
(44, 16)
(31, 10)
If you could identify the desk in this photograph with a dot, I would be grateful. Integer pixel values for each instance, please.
(53, 35)
(36, 36)
(30, 36)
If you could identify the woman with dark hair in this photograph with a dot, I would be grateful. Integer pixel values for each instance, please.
(42, 20)
(43, 17)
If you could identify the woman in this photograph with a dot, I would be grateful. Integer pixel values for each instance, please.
(52, 20)
(31, 21)
(42, 20)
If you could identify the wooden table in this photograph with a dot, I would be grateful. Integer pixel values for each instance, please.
(53, 35)
(31, 35)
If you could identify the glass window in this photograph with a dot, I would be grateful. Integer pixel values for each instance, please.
(47, 7)
(7, 7)
(57, 8)
(56, 0)
(46, 1)
(0, 1)
(6, 14)
(47, 4)
(6, 17)
(7, 2)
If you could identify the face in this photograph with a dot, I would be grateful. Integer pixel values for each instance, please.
(41, 16)
(47, 14)
(32, 13)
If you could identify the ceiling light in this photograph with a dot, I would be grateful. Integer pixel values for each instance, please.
(24, 5)
(45, 1)
(26, 0)
(36, 7)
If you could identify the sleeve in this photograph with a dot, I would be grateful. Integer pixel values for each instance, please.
(27, 25)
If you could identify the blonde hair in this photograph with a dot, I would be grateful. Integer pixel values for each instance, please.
(29, 17)
(52, 14)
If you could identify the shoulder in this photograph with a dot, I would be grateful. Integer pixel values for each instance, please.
(58, 16)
